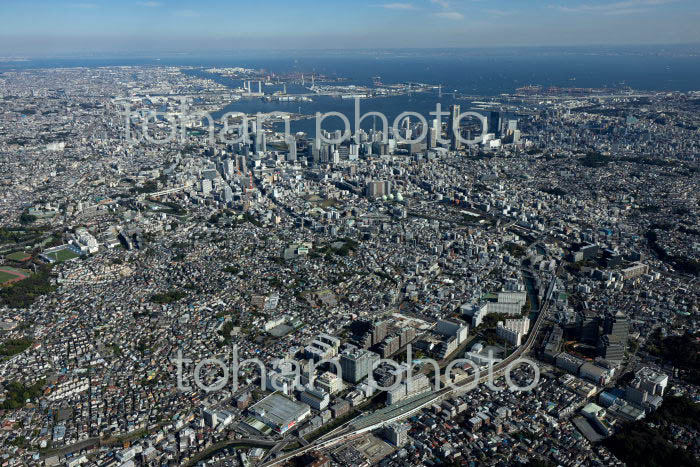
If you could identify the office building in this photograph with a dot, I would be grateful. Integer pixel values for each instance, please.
(228, 168)
(329, 382)
(397, 433)
(434, 132)
(226, 194)
(260, 142)
(596, 374)
(292, 150)
(569, 363)
(553, 343)
(356, 364)
(453, 128)
(495, 124)
(611, 348)
(210, 418)
(205, 186)
(652, 381)
(588, 327)
(317, 399)
(617, 324)
(241, 164)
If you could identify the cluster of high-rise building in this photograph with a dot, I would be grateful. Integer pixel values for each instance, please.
(295, 248)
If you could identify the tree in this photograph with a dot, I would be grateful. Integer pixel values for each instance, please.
(26, 218)
(168, 297)
(23, 293)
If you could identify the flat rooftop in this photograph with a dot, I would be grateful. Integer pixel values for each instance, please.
(279, 409)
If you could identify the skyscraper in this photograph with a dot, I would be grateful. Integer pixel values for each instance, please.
(433, 133)
(241, 164)
(613, 342)
(495, 124)
(452, 131)
(292, 148)
(588, 326)
(226, 194)
(617, 325)
(611, 348)
(260, 142)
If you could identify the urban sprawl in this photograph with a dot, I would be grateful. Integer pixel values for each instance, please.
(562, 229)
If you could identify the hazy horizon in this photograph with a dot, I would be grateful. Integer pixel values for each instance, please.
(678, 50)
(63, 27)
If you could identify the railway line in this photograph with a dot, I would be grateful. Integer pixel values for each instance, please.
(347, 432)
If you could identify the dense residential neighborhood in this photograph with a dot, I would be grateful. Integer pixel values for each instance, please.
(192, 302)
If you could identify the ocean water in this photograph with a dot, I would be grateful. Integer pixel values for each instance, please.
(485, 74)
(391, 107)
(477, 74)
(471, 75)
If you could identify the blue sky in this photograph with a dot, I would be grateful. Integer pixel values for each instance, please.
(35, 27)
